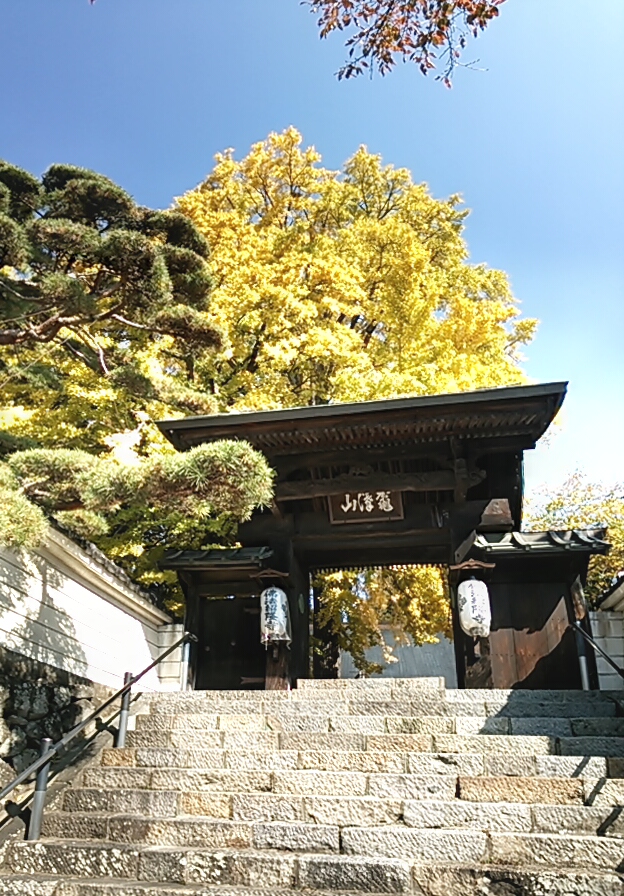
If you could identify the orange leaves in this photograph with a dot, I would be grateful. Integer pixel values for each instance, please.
(419, 31)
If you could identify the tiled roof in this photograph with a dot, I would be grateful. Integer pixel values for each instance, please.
(216, 558)
(591, 541)
(613, 598)
(522, 413)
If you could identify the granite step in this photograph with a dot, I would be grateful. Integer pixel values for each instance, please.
(433, 704)
(316, 824)
(554, 809)
(20, 885)
(344, 787)
(427, 880)
(371, 855)
(371, 761)
(266, 871)
(214, 737)
(312, 782)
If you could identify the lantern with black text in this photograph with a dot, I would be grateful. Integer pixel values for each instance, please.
(475, 615)
(274, 617)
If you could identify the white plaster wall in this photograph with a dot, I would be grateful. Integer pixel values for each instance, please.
(61, 606)
(608, 631)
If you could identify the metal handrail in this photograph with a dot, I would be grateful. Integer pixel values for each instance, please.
(53, 749)
(579, 628)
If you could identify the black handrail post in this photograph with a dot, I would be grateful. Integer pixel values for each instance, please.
(41, 786)
(122, 730)
(582, 657)
(64, 742)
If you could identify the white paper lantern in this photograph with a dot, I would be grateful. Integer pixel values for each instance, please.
(274, 617)
(475, 615)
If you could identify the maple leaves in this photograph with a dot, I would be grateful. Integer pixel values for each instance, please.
(419, 31)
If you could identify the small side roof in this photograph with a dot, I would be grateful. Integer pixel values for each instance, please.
(217, 558)
(508, 544)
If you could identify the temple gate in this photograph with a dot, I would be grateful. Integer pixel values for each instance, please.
(427, 480)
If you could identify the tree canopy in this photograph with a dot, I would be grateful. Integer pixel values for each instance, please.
(580, 504)
(103, 314)
(344, 286)
(424, 32)
(103, 308)
(319, 286)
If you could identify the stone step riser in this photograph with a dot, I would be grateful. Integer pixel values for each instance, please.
(319, 826)
(371, 761)
(426, 706)
(597, 817)
(226, 868)
(464, 725)
(443, 743)
(371, 856)
(427, 881)
(597, 791)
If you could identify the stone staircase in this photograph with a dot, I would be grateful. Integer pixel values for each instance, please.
(356, 787)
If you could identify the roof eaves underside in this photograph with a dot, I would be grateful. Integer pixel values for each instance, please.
(522, 413)
(587, 541)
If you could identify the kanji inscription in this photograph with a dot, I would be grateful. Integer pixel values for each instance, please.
(365, 506)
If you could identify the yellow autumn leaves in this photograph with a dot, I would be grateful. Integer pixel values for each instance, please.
(342, 286)
(348, 286)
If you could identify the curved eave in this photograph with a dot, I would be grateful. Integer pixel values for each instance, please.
(522, 413)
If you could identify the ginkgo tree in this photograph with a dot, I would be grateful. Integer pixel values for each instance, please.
(349, 285)
(344, 286)
(579, 503)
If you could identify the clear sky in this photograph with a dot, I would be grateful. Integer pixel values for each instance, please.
(146, 91)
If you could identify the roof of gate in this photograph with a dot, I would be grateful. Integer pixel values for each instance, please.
(521, 412)
(587, 541)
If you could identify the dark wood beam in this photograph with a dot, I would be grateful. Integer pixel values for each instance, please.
(438, 452)
(440, 480)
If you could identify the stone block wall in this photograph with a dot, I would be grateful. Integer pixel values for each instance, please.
(71, 624)
(38, 701)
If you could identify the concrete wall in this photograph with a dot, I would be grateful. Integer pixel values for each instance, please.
(70, 609)
(608, 631)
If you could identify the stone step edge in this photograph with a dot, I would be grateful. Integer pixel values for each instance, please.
(127, 761)
(255, 851)
(69, 886)
(400, 802)
(259, 828)
(122, 884)
(475, 874)
(76, 887)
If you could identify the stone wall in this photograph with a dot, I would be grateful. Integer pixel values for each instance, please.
(38, 701)
(71, 624)
(70, 608)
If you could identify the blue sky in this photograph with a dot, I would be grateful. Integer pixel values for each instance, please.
(147, 91)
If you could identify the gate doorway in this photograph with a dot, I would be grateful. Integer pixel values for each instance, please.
(229, 649)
